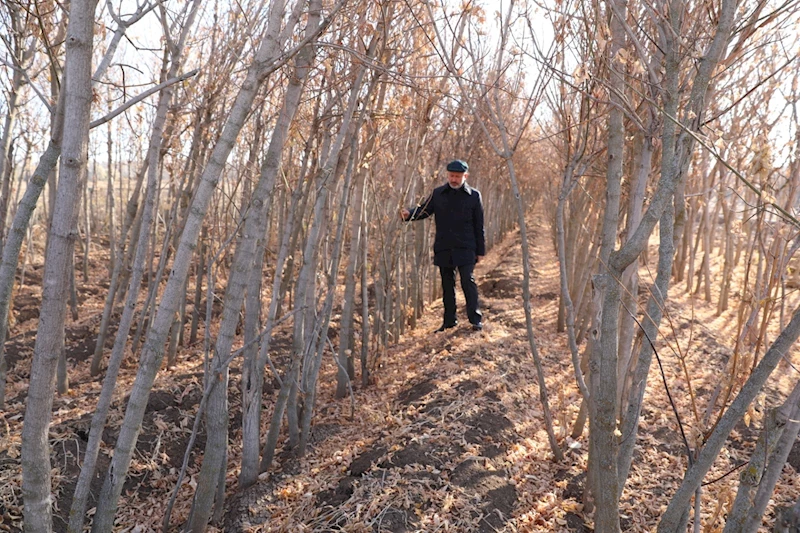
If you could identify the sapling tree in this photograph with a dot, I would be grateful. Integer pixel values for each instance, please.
(36, 482)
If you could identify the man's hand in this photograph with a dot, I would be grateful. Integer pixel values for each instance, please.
(478, 259)
(404, 214)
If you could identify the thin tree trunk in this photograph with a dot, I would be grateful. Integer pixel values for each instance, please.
(321, 332)
(603, 364)
(691, 249)
(364, 296)
(775, 464)
(268, 451)
(705, 272)
(13, 245)
(565, 296)
(776, 422)
(727, 268)
(583, 293)
(36, 481)
(81, 494)
(7, 179)
(111, 228)
(174, 335)
(20, 226)
(682, 254)
(564, 251)
(630, 277)
(153, 282)
(526, 303)
(652, 319)
(198, 292)
(346, 366)
(87, 226)
(252, 383)
(346, 371)
(305, 305)
(118, 252)
(297, 226)
(251, 434)
(20, 177)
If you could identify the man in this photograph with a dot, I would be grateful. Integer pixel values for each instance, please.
(459, 243)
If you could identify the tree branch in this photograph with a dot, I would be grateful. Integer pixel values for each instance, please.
(133, 101)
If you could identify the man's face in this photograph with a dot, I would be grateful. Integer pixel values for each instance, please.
(456, 179)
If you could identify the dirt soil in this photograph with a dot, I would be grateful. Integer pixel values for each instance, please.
(449, 437)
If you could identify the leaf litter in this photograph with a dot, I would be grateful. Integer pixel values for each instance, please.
(449, 437)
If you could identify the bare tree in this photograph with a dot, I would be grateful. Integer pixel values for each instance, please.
(36, 184)
(169, 71)
(21, 54)
(36, 484)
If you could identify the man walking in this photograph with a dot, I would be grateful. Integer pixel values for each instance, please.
(459, 243)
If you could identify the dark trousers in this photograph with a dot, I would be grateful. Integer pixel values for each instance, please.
(470, 293)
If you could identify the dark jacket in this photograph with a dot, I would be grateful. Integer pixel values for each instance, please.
(459, 224)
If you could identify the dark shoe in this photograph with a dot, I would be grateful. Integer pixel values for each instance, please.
(477, 327)
(444, 327)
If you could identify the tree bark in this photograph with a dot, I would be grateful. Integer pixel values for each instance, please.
(603, 363)
(251, 385)
(36, 481)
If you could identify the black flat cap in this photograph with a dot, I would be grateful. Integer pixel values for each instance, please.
(457, 166)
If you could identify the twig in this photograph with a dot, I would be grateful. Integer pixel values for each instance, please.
(723, 476)
(666, 386)
(133, 101)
